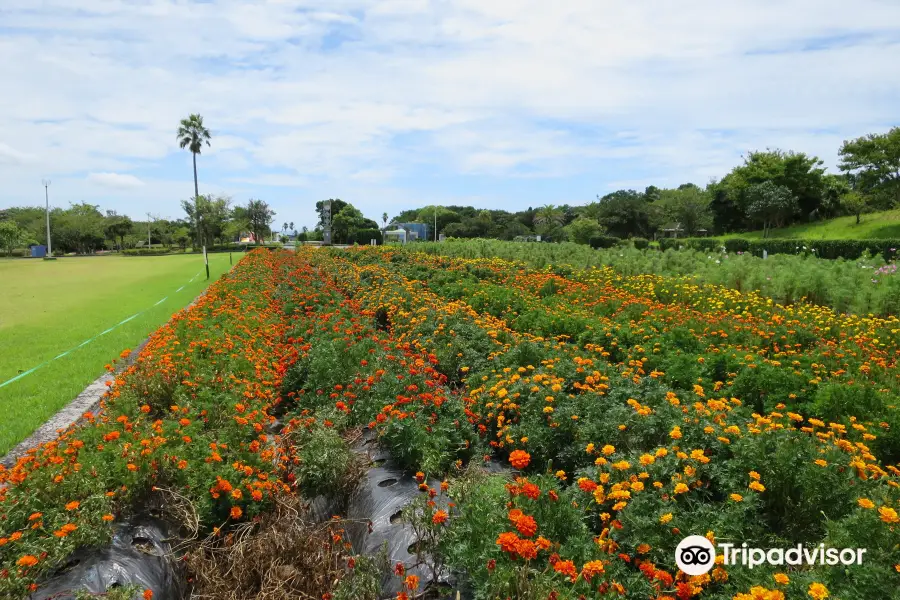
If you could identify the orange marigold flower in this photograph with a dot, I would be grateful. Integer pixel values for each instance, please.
(507, 541)
(592, 569)
(888, 515)
(148, 595)
(35, 516)
(73, 505)
(236, 512)
(567, 568)
(526, 525)
(27, 561)
(519, 459)
(108, 518)
(411, 582)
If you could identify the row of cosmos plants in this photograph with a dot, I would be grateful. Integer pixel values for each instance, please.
(632, 410)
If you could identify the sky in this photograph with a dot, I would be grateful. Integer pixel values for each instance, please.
(397, 104)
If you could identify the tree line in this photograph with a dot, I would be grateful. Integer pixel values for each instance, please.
(770, 188)
(84, 228)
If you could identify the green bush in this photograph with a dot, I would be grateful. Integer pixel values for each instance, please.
(604, 241)
(640, 243)
(364, 236)
(831, 249)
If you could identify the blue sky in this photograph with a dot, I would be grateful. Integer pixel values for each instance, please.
(395, 104)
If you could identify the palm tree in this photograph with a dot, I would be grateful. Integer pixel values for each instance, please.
(384, 217)
(192, 134)
(549, 215)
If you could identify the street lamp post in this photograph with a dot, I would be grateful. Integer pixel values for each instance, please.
(46, 183)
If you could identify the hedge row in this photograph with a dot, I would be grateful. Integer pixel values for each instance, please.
(209, 249)
(849, 249)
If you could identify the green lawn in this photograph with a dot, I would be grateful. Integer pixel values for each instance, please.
(50, 307)
(880, 225)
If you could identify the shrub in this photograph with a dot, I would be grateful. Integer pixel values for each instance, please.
(604, 241)
(640, 243)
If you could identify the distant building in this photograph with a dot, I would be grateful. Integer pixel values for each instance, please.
(415, 231)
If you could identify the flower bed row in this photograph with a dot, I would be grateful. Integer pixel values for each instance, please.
(620, 469)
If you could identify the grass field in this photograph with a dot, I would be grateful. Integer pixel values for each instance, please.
(49, 308)
(875, 226)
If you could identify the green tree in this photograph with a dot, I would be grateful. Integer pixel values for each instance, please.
(770, 204)
(582, 229)
(346, 223)
(549, 219)
(855, 203)
(192, 134)
(384, 220)
(873, 165)
(836, 187)
(259, 218)
(801, 174)
(625, 213)
(117, 227)
(11, 236)
(445, 216)
(687, 206)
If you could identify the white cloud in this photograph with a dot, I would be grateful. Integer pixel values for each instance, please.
(115, 180)
(484, 92)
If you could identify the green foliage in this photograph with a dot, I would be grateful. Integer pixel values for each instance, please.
(259, 218)
(873, 165)
(770, 204)
(583, 229)
(688, 206)
(604, 241)
(640, 243)
(328, 467)
(624, 213)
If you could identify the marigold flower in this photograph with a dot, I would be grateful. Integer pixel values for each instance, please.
(148, 595)
(681, 488)
(236, 512)
(27, 561)
(519, 459)
(757, 486)
(888, 515)
(411, 582)
(817, 591)
(781, 579)
(665, 518)
(73, 505)
(440, 517)
(865, 503)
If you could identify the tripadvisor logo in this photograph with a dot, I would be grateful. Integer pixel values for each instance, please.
(696, 555)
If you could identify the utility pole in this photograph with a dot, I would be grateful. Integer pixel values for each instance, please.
(46, 183)
(148, 230)
(435, 223)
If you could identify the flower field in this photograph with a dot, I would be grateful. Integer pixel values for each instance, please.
(633, 410)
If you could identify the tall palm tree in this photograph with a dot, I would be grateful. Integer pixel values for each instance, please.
(192, 134)
(384, 217)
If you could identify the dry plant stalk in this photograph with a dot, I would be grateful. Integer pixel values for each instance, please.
(280, 557)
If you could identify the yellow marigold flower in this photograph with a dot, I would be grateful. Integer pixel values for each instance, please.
(757, 486)
(681, 488)
(817, 591)
(561, 474)
(754, 475)
(865, 503)
(888, 515)
(665, 518)
(675, 434)
(781, 579)
(737, 497)
(647, 459)
(821, 463)
(590, 448)
(608, 449)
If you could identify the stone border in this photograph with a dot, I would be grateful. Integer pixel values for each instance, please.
(86, 401)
